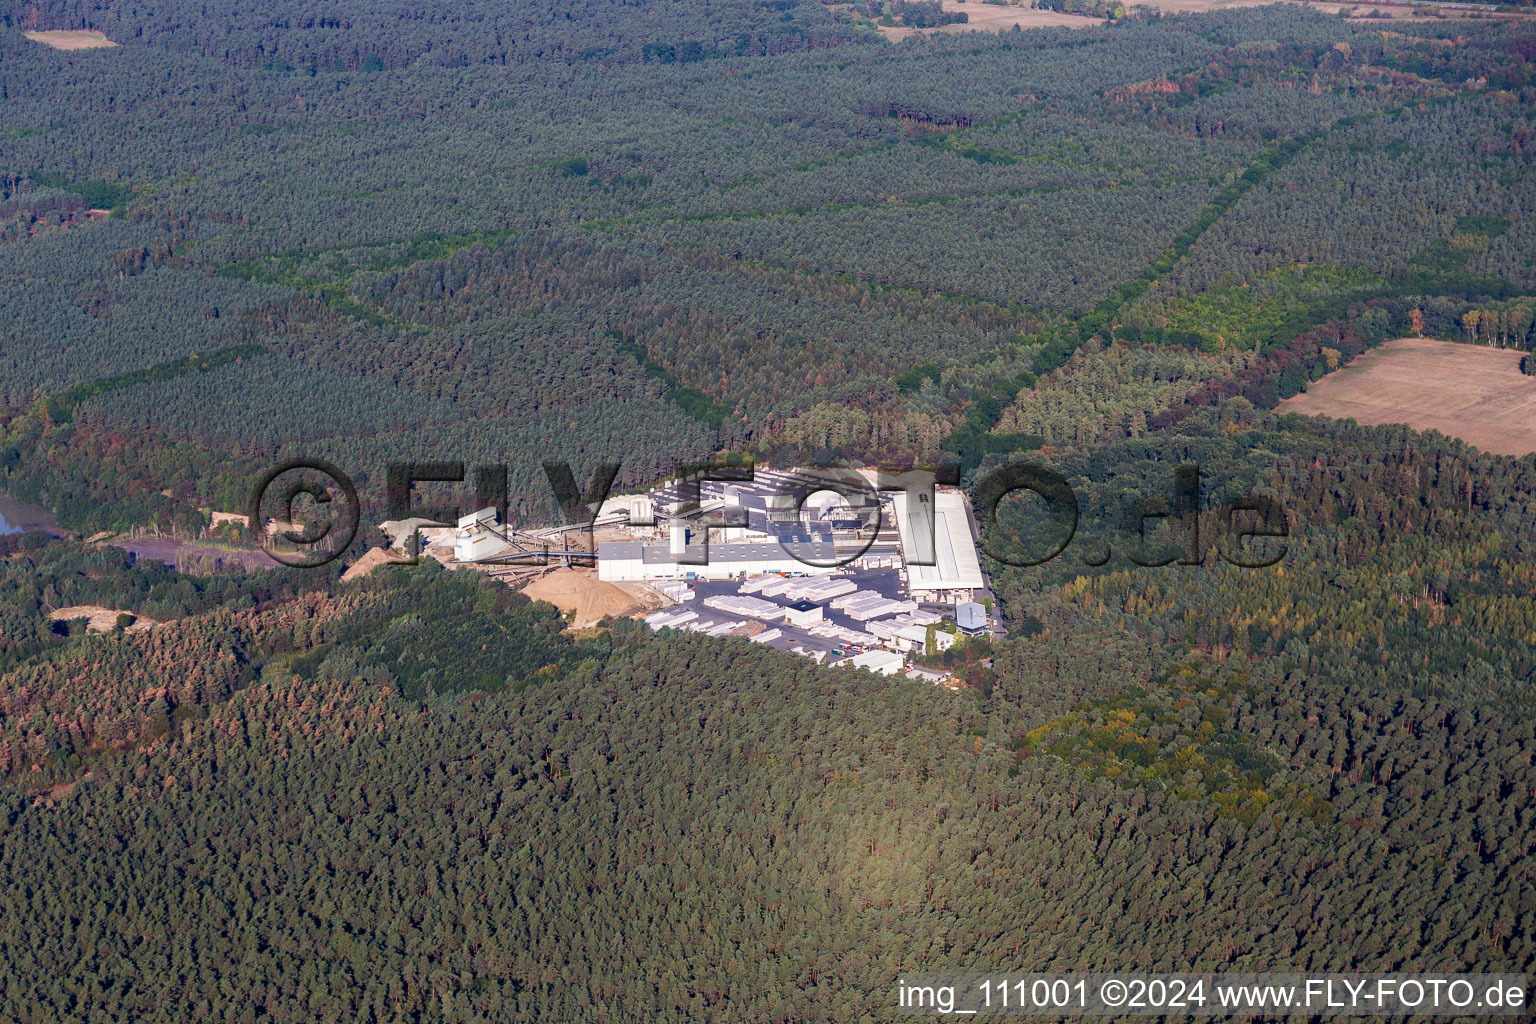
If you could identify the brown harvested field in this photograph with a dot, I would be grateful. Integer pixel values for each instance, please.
(71, 39)
(1468, 391)
(991, 18)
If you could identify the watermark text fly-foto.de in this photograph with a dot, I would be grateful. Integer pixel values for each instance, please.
(1055, 523)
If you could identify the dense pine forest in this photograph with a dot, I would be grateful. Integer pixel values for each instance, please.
(651, 232)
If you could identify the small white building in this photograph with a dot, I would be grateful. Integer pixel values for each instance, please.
(803, 613)
(476, 537)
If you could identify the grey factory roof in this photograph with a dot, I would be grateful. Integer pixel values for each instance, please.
(755, 493)
(660, 554)
(761, 521)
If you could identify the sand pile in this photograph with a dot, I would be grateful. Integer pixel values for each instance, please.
(589, 598)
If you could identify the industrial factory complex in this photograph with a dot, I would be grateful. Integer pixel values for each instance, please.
(862, 577)
(863, 573)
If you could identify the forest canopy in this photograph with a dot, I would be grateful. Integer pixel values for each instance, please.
(653, 233)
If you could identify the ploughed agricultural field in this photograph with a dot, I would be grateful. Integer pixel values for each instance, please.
(1468, 391)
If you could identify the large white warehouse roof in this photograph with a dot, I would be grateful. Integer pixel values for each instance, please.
(954, 548)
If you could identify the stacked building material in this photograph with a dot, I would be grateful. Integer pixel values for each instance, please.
(819, 589)
(775, 586)
(676, 590)
(671, 618)
(832, 631)
(874, 606)
(752, 607)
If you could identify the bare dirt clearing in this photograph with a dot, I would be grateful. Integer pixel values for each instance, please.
(645, 596)
(99, 619)
(1477, 394)
(71, 39)
(195, 559)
